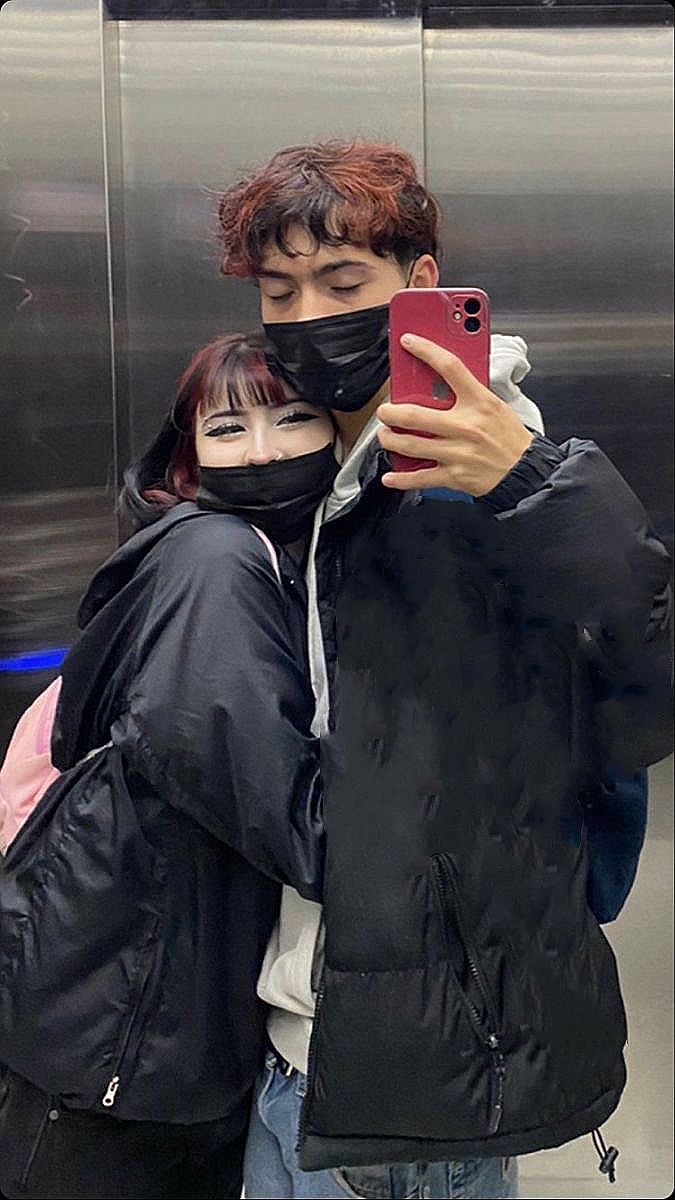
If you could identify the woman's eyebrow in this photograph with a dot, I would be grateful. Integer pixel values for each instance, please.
(222, 412)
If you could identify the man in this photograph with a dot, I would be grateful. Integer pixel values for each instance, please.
(474, 664)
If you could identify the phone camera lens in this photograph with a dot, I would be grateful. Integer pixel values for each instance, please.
(472, 324)
(472, 306)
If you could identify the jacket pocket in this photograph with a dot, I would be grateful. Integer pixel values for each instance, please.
(471, 981)
(133, 1027)
(49, 1114)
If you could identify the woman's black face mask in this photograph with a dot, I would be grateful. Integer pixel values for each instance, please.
(336, 362)
(279, 497)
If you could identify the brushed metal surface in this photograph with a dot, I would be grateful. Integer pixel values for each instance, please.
(551, 153)
(55, 400)
(199, 103)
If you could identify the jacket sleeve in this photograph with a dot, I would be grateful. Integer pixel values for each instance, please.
(575, 544)
(220, 708)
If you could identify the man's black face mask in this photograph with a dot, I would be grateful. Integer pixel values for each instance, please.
(336, 362)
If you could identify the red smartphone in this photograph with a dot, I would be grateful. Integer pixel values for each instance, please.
(457, 319)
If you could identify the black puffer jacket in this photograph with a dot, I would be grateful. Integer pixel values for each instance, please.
(484, 659)
(137, 901)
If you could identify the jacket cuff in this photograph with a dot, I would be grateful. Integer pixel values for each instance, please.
(530, 474)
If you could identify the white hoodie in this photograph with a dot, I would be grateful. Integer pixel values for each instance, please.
(293, 960)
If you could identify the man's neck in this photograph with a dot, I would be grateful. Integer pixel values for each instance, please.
(352, 424)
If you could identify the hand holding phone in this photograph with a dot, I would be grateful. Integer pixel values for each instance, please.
(458, 319)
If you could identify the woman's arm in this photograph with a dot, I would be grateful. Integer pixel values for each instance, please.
(220, 707)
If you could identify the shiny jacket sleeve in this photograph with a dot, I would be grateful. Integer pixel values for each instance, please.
(219, 708)
(575, 544)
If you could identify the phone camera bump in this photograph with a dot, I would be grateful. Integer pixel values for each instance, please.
(472, 306)
(472, 324)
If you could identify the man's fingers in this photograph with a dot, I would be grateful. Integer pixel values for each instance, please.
(406, 443)
(406, 481)
(445, 364)
(414, 416)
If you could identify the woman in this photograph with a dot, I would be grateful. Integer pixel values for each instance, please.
(138, 899)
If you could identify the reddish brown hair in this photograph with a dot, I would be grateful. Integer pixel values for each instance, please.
(230, 370)
(365, 193)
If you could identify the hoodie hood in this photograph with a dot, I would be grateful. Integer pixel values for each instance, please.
(101, 661)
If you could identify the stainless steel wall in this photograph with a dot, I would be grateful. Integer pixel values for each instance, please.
(56, 476)
(551, 153)
(200, 102)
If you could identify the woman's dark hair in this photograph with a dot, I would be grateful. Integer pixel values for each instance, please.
(232, 371)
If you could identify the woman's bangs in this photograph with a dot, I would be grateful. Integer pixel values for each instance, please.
(242, 382)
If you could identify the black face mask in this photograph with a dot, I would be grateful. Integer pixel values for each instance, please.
(279, 497)
(335, 362)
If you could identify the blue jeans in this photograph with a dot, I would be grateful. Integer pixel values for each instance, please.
(271, 1164)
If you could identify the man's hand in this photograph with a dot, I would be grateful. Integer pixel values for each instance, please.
(478, 441)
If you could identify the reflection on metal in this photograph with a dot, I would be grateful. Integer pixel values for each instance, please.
(199, 103)
(551, 153)
(52, 543)
(56, 486)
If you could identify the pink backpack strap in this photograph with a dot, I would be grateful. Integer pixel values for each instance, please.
(27, 770)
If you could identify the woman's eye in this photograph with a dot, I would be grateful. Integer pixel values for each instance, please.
(352, 287)
(296, 417)
(222, 430)
(278, 299)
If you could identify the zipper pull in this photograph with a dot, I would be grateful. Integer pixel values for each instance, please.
(496, 1117)
(111, 1092)
(499, 1070)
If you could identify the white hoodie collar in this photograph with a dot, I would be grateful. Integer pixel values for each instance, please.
(508, 366)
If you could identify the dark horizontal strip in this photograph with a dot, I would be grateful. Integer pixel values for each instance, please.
(459, 14)
(504, 14)
(433, 6)
(259, 10)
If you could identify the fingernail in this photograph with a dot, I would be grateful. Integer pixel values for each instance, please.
(406, 339)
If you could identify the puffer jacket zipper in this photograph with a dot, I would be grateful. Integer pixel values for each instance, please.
(311, 1059)
(445, 879)
(132, 1029)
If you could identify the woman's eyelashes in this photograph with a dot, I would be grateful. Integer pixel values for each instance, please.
(232, 427)
(223, 430)
(295, 418)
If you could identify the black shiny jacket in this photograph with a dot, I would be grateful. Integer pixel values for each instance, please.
(137, 901)
(485, 661)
